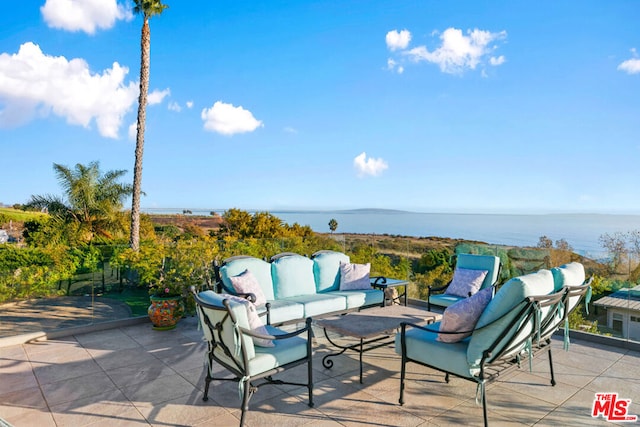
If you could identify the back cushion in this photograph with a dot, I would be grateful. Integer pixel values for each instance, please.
(508, 299)
(481, 262)
(571, 274)
(293, 276)
(260, 269)
(326, 270)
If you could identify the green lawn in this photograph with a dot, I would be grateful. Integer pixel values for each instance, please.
(136, 298)
(17, 215)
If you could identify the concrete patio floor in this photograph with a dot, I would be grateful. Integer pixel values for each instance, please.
(133, 375)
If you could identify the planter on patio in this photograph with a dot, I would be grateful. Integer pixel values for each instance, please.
(165, 312)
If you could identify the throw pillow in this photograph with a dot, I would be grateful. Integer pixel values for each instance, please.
(466, 282)
(246, 283)
(354, 276)
(463, 316)
(255, 323)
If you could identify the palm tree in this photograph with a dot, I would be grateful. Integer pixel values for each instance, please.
(92, 201)
(333, 225)
(148, 8)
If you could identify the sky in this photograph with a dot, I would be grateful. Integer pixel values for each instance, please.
(419, 105)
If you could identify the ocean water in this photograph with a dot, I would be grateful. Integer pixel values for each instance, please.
(581, 231)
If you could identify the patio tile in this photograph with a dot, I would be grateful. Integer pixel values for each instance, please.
(17, 404)
(185, 411)
(109, 406)
(77, 388)
(17, 376)
(139, 373)
(158, 390)
(48, 373)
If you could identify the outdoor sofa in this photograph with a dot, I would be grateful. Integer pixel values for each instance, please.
(292, 287)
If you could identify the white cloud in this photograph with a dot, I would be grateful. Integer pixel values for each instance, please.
(84, 15)
(157, 96)
(174, 106)
(35, 84)
(631, 66)
(459, 51)
(289, 129)
(229, 120)
(189, 104)
(369, 166)
(398, 39)
(394, 66)
(133, 131)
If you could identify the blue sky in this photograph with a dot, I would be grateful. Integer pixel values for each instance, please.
(431, 106)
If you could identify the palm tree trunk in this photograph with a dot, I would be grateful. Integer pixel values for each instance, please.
(145, 44)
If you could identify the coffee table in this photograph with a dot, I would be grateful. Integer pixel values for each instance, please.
(371, 327)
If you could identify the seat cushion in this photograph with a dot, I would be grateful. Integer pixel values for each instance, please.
(283, 311)
(481, 262)
(424, 347)
(444, 300)
(318, 304)
(293, 276)
(326, 269)
(284, 351)
(361, 298)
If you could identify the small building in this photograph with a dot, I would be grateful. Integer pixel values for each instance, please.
(623, 312)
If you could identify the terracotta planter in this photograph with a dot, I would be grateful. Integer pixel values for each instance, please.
(165, 312)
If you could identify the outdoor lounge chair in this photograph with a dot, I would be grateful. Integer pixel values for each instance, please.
(516, 323)
(226, 325)
(444, 297)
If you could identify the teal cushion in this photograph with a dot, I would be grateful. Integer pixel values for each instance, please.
(326, 269)
(285, 351)
(444, 300)
(283, 311)
(361, 298)
(293, 276)
(504, 306)
(571, 274)
(318, 304)
(481, 262)
(423, 347)
(260, 269)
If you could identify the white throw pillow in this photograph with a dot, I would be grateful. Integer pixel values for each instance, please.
(255, 323)
(466, 282)
(246, 283)
(354, 276)
(463, 316)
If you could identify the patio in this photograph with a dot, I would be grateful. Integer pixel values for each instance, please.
(132, 375)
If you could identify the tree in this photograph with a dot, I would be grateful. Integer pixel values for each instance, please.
(333, 225)
(616, 245)
(92, 201)
(545, 242)
(148, 8)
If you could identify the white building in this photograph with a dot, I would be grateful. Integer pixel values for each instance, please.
(623, 312)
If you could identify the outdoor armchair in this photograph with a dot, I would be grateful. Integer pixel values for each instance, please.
(251, 353)
(468, 268)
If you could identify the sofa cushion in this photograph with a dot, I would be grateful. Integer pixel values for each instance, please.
(466, 282)
(423, 346)
(283, 311)
(318, 304)
(463, 316)
(505, 306)
(326, 269)
(354, 276)
(246, 283)
(361, 298)
(260, 269)
(293, 276)
(481, 262)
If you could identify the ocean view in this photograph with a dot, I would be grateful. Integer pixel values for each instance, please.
(581, 231)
